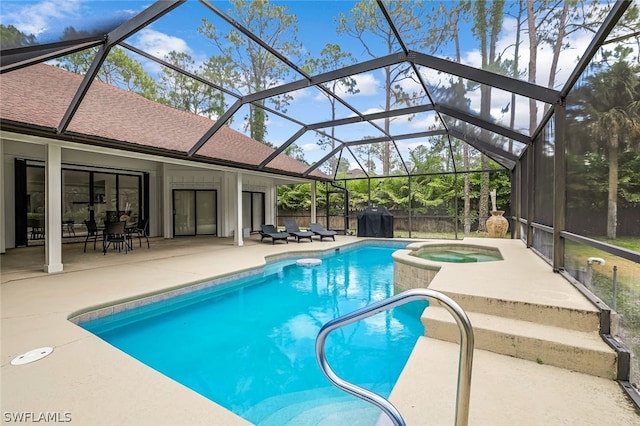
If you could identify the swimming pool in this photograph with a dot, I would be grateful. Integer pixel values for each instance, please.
(249, 344)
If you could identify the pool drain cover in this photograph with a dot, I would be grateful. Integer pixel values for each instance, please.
(31, 356)
(308, 262)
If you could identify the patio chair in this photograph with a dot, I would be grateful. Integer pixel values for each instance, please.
(92, 233)
(319, 230)
(37, 228)
(115, 235)
(140, 230)
(292, 228)
(270, 231)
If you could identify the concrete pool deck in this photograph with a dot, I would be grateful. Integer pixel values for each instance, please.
(92, 383)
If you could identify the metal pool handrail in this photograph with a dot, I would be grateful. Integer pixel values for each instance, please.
(464, 365)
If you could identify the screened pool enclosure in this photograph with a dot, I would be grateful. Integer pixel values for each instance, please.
(439, 111)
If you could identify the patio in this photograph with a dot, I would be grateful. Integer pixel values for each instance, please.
(97, 384)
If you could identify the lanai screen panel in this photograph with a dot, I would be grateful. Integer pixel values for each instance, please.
(508, 110)
(380, 159)
(179, 38)
(357, 132)
(257, 63)
(448, 31)
(66, 20)
(408, 124)
(428, 155)
(603, 140)
(544, 151)
(310, 147)
(309, 105)
(279, 128)
(194, 92)
(625, 33)
(357, 29)
(500, 148)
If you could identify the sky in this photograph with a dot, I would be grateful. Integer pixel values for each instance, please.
(316, 27)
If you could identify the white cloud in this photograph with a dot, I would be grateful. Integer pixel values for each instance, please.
(160, 44)
(367, 84)
(424, 122)
(405, 147)
(411, 85)
(372, 110)
(40, 17)
(309, 147)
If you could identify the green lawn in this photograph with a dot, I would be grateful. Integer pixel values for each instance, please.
(630, 243)
(441, 235)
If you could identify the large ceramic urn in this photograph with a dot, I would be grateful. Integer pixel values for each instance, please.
(497, 224)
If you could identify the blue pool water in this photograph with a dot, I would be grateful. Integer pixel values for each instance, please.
(250, 345)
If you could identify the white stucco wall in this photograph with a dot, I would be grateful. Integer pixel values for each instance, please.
(165, 175)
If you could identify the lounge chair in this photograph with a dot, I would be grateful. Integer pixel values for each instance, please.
(291, 227)
(270, 231)
(319, 230)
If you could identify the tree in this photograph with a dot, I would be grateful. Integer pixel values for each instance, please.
(557, 24)
(185, 93)
(256, 68)
(118, 69)
(294, 151)
(458, 94)
(366, 19)
(331, 58)
(609, 103)
(294, 197)
(487, 26)
(11, 37)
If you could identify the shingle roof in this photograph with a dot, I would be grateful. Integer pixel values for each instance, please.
(39, 96)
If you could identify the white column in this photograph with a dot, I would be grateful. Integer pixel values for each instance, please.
(270, 204)
(53, 210)
(3, 228)
(313, 203)
(167, 207)
(238, 239)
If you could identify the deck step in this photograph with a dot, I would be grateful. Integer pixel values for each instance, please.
(505, 391)
(553, 315)
(580, 351)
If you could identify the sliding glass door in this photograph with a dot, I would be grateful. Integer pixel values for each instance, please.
(86, 194)
(76, 201)
(36, 202)
(195, 212)
(252, 210)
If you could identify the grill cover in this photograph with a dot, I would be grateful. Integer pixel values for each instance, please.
(375, 222)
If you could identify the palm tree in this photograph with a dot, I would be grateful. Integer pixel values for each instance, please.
(610, 102)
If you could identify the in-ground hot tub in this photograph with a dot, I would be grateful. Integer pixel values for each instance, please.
(457, 253)
(419, 263)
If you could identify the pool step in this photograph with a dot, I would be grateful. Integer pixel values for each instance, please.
(548, 314)
(580, 351)
(297, 409)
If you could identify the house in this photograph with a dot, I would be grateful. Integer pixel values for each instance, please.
(124, 154)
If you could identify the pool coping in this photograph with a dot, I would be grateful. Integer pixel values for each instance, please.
(100, 385)
(86, 377)
(116, 306)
